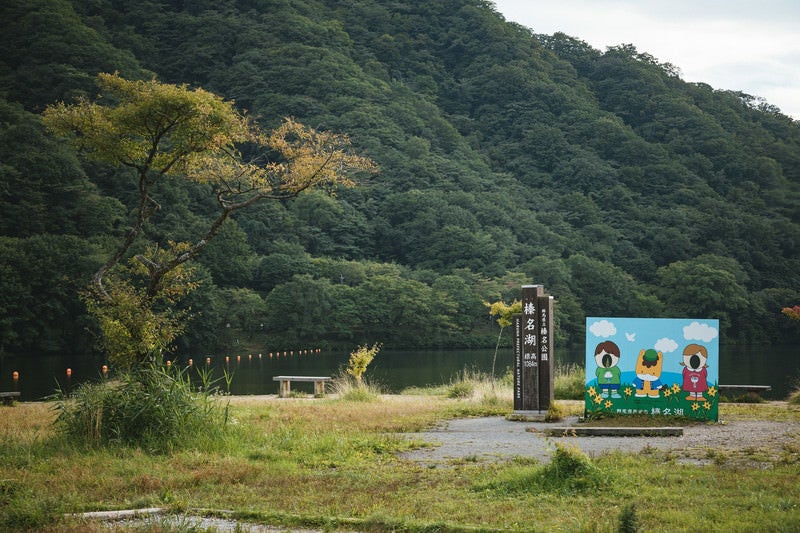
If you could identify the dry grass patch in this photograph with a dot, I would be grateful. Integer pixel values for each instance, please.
(392, 413)
(774, 411)
(27, 421)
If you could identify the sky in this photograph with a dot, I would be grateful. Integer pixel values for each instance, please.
(741, 45)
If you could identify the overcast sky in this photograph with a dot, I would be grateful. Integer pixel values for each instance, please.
(742, 45)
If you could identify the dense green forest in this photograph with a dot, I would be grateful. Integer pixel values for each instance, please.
(506, 157)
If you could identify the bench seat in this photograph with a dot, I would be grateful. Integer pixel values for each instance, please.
(285, 384)
(8, 397)
(726, 390)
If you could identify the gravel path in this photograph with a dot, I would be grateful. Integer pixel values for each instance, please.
(495, 438)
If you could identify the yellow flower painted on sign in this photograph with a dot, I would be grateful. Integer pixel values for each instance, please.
(712, 391)
(676, 388)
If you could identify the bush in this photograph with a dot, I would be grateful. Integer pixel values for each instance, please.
(569, 472)
(154, 408)
(555, 413)
(360, 358)
(461, 389)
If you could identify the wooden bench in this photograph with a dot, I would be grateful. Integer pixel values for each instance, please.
(285, 384)
(738, 390)
(8, 397)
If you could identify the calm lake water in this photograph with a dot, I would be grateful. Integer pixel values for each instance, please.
(777, 366)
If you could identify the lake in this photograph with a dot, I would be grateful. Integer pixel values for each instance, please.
(777, 366)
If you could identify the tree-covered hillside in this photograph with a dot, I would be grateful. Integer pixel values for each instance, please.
(506, 157)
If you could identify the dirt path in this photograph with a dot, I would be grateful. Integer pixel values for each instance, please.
(495, 438)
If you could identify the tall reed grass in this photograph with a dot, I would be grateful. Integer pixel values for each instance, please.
(355, 389)
(569, 382)
(158, 409)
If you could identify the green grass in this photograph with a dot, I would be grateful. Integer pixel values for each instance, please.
(333, 464)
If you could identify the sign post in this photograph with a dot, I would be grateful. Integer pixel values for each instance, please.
(533, 355)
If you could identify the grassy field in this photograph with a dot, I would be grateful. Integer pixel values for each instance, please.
(332, 464)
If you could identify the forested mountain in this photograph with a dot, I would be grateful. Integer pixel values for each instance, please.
(506, 157)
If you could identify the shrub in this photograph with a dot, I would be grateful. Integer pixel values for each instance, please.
(154, 408)
(360, 358)
(569, 472)
(555, 413)
(461, 389)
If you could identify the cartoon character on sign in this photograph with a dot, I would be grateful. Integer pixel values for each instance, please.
(648, 373)
(607, 355)
(695, 375)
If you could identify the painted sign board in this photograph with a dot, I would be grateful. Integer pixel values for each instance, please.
(653, 366)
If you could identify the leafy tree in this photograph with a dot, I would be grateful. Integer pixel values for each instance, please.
(163, 131)
(792, 312)
(504, 313)
(245, 311)
(707, 286)
(360, 358)
(135, 324)
(49, 53)
(42, 183)
(297, 311)
(229, 258)
(281, 265)
(40, 277)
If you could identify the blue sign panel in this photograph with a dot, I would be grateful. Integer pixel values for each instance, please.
(654, 366)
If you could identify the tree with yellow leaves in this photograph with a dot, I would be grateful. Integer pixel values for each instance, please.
(162, 131)
(792, 312)
(504, 313)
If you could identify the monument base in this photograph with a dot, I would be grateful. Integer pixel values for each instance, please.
(527, 416)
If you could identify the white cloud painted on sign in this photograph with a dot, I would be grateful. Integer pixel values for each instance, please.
(604, 328)
(666, 345)
(699, 332)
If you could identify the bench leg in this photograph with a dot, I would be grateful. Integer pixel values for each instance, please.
(285, 389)
(319, 389)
